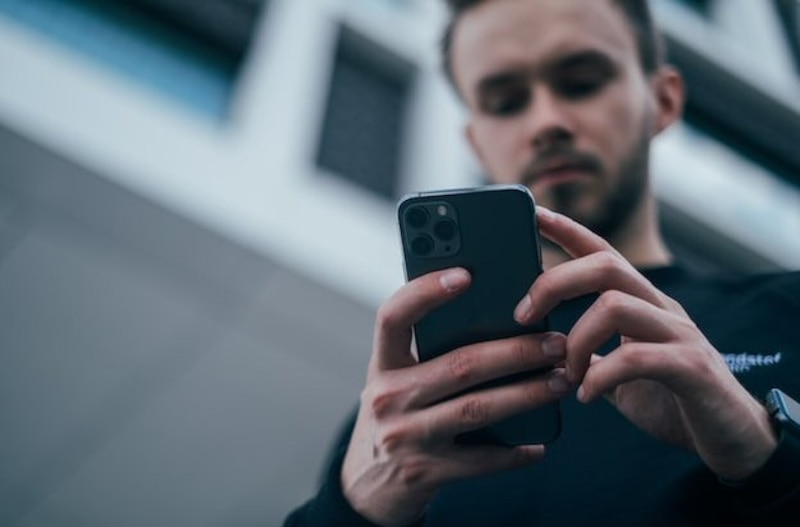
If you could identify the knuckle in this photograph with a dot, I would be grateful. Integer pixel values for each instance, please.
(519, 350)
(636, 359)
(530, 350)
(381, 401)
(672, 305)
(544, 285)
(613, 301)
(684, 326)
(700, 363)
(532, 393)
(608, 261)
(414, 471)
(390, 439)
(461, 365)
(382, 405)
(677, 308)
(366, 396)
(474, 411)
(385, 318)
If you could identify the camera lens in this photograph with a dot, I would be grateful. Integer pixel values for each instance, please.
(417, 217)
(445, 230)
(422, 245)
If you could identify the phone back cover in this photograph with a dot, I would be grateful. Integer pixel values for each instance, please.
(499, 247)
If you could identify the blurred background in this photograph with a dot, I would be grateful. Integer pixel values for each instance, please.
(197, 224)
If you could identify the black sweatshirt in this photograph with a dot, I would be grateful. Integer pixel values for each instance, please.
(602, 470)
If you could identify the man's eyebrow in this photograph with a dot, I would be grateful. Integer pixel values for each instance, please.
(502, 78)
(587, 57)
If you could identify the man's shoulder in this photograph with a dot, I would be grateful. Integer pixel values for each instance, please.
(729, 300)
(789, 278)
(778, 285)
(764, 282)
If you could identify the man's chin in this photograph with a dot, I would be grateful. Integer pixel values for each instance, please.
(575, 201)
(587, 214)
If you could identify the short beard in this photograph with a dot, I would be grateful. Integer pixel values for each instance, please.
(615, 209)
(618, 206)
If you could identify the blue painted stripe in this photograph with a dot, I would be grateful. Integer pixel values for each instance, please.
(134, 47)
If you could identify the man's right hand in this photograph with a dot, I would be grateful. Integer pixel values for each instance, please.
(403, 445)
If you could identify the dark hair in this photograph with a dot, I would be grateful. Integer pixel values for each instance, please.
(648, 38)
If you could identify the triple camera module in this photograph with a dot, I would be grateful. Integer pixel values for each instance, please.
(432, 230)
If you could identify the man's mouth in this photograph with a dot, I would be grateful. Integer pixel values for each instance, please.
(557, 172)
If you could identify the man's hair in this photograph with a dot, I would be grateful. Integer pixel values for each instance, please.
(648, 38)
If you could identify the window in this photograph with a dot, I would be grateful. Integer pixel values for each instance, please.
(362, 132)
(188, 50)
(701, 6)
(789, 11)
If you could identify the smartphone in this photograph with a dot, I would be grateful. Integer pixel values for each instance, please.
(490, 231)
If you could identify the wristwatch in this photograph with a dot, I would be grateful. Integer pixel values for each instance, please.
(779, 478)
(784, 411)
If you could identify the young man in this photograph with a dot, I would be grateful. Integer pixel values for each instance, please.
(565, 97)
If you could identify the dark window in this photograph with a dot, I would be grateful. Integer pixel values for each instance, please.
(188, 50)
(224, 25)
(701, 6)
(789, 11)
(362, 134)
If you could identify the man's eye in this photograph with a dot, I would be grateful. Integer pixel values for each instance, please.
(581, 86)
(506, 103)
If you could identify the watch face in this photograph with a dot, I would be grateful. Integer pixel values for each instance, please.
(784, 409)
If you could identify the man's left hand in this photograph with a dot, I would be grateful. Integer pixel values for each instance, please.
(665, 376)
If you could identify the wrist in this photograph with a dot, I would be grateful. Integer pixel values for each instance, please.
(776, 482)
(759, 444)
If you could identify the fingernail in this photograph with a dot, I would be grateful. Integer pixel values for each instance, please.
(554, 347)
(545, 213)
(531, 452)
(581, 394)
(523, 309)
(454, 279)
(557, 383)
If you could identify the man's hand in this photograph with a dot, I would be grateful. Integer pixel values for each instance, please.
(665, 377)
(402, 449)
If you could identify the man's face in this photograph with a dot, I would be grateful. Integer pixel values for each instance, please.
(558, 101)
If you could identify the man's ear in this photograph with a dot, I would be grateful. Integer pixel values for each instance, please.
(670, 96)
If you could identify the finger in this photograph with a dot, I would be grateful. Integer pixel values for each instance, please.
(461, 462)
(480, 408)
(611, 314)
(570, 235)
(600, 271)
(475, 364)
(630, 361)
(686, 367)
(392, 341)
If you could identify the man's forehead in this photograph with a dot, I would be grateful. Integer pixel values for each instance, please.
(501, 34)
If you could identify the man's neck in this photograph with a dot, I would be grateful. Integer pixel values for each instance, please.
(639, 240)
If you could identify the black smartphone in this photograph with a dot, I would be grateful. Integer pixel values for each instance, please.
(490, 231)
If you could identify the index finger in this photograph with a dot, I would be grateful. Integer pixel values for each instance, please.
(392, 339)
(570, 235)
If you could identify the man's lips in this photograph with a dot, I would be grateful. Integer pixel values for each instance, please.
(560, 172)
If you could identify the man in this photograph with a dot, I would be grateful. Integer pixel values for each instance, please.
(565, 97)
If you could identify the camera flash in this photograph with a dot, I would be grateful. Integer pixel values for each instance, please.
(441, 210)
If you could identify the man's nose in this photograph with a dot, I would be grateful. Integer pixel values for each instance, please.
(548, 121)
